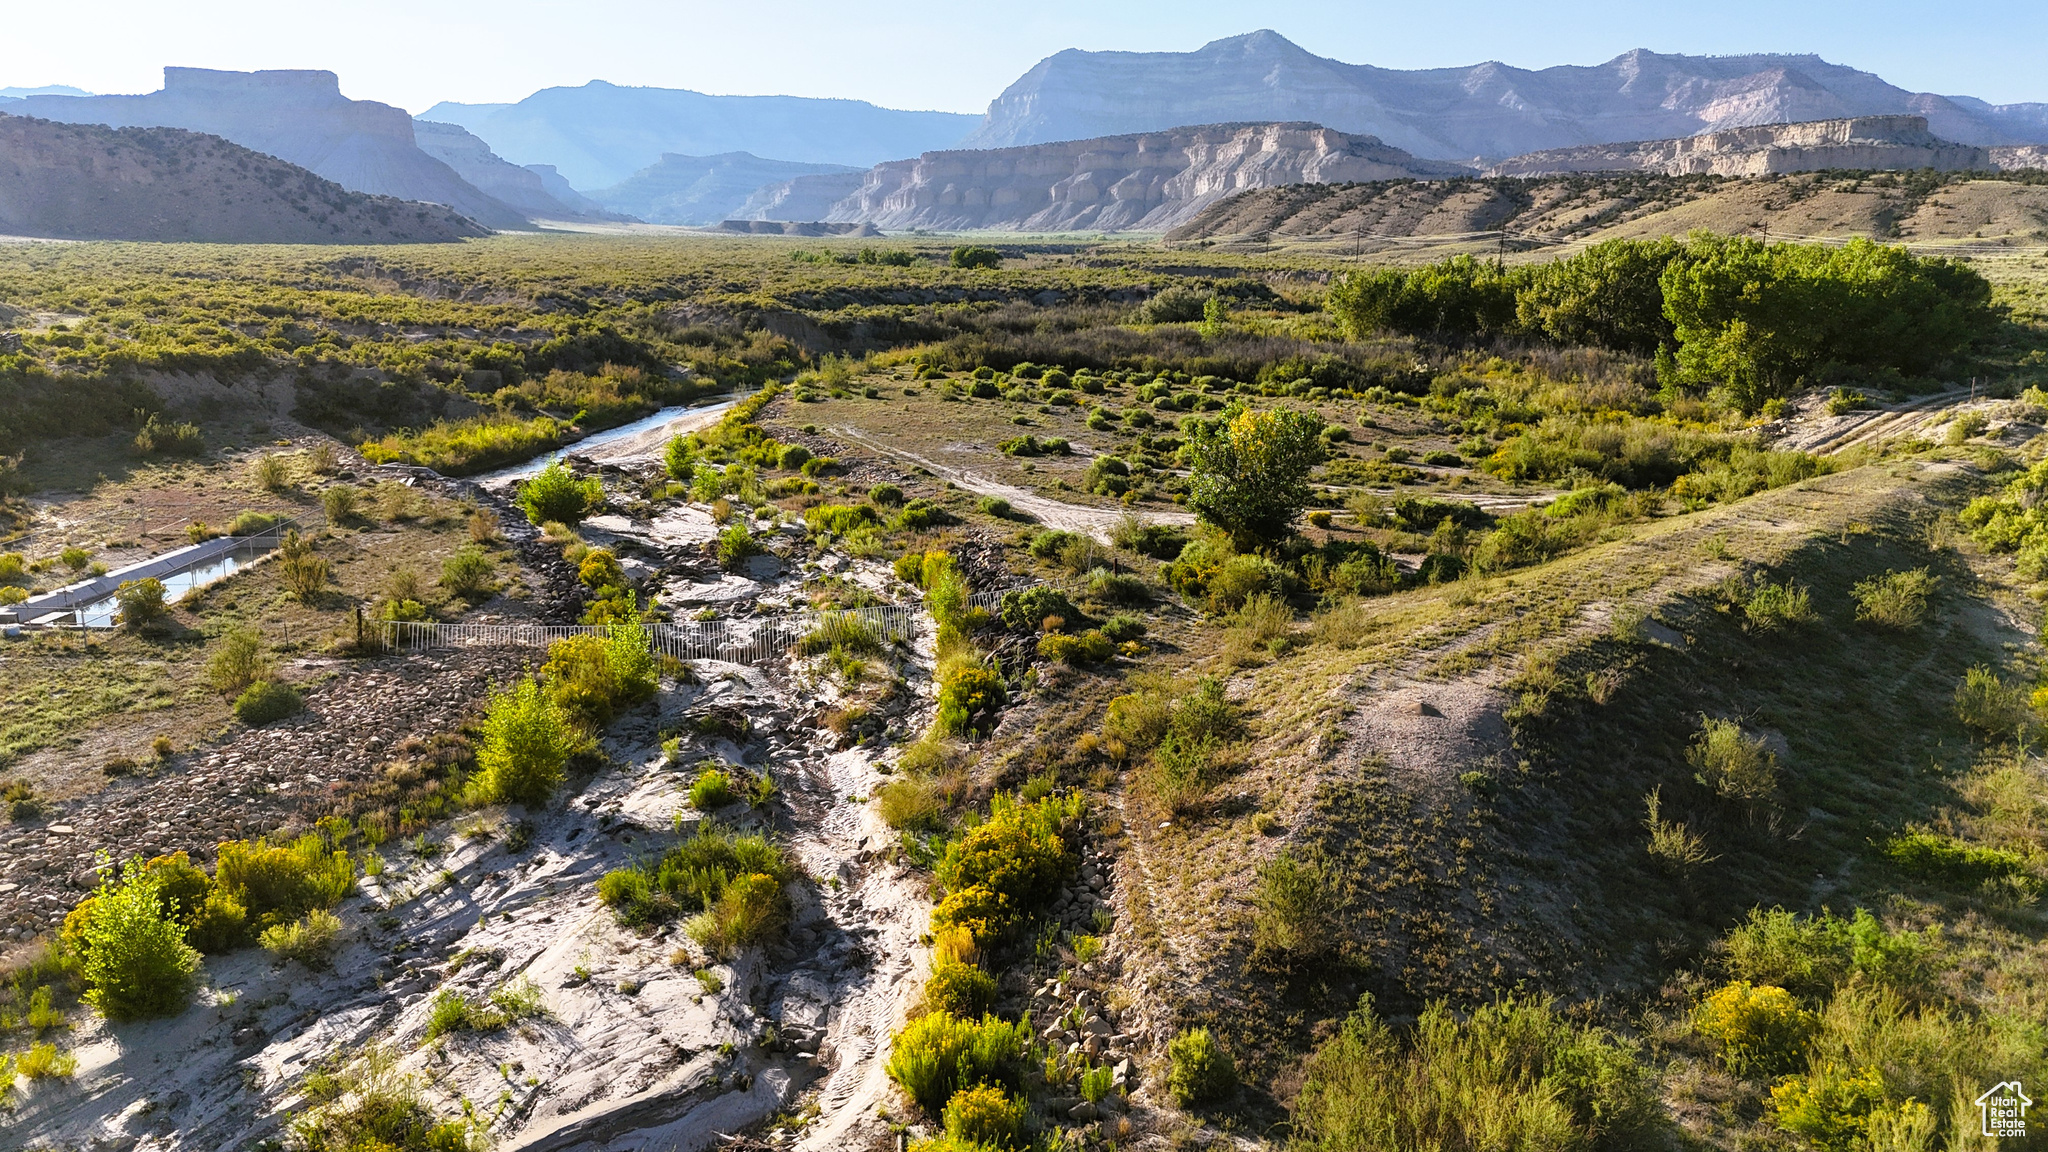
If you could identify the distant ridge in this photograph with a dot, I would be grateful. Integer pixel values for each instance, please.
(600, 134)
(1865, 143)
(1486, 110)
(90, 182)
(297, 116)
(1147, 181)
(695, 190)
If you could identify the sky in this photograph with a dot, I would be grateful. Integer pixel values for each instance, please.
(958, 56)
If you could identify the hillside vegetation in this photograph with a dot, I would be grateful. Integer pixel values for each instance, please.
(1348, 707)
(91, 182)
(1979, 208)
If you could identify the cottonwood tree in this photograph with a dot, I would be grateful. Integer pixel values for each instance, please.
(1249, 471)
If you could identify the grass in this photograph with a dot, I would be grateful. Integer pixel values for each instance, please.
(454, 1011)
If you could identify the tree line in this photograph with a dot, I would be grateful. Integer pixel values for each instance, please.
(1750, 320)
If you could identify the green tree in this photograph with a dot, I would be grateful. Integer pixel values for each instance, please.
(1249, 471)
(137, 964)
(526, 742)
(1610, 296)
(555, 494)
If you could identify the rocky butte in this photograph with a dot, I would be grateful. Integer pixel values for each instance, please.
(1862, 143)
(1146, 181)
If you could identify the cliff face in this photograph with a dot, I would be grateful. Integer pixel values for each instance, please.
(1142, 182)
(90, 182)
(700, 189)
(1458, 113)
(1865, 143)
(298, 116)
(472, 159)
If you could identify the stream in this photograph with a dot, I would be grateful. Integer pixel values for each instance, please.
(644, 437)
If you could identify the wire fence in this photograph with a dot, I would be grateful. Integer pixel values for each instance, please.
(739, 641)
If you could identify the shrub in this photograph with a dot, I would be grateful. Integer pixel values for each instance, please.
(792, 457)
(238, 662)
(278, 883)
(555, 494)
(1761, 1029)
(839, 519)
(678, 459)
(1005, 867)
(995, 506)
(265, 701)
(156, 437)
(339, 502)
(984, 1116)
(220, 924)
(1117, 587)
(1830, 1107)
(968, 696)
(270, 472)
(1138, 720)
(248, 523)
(308, 940)
(1516, 1074)
(748, 911)
(141, 603)
(1292, 919)
(137, 964)
(1029, 609)
(886, 494)
(712, 789)
(1777, 607)
(1087, 648)
(960, 989)
(735, 547)
(919, 515)
(938, 1054)
(1200, 1072)
(1810, 955)
(302, 572)
(526, 743)
(1736, 766)
(1240, 578)
(43, 1061)
(468, 573)
(694, 875)
(593, 678)
(1990, 705)
(910, 804)
(1896, 599)
(972, 256)
(600, 569)
(1932, 856)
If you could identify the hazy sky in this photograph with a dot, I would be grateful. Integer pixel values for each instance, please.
(957, 56)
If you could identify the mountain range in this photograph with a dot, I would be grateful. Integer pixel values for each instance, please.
(600, 134)
(1486, 110)
(700, 189)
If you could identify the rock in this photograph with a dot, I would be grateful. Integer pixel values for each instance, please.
(1082, 1112)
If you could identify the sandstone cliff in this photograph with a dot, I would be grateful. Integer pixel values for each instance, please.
(700, 189)
(522, 189)
(298, 116)
(89, 182)
(1148, 181)
(1487, 110)
(1865, 143)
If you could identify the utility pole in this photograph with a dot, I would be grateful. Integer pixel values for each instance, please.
(1500, 253)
